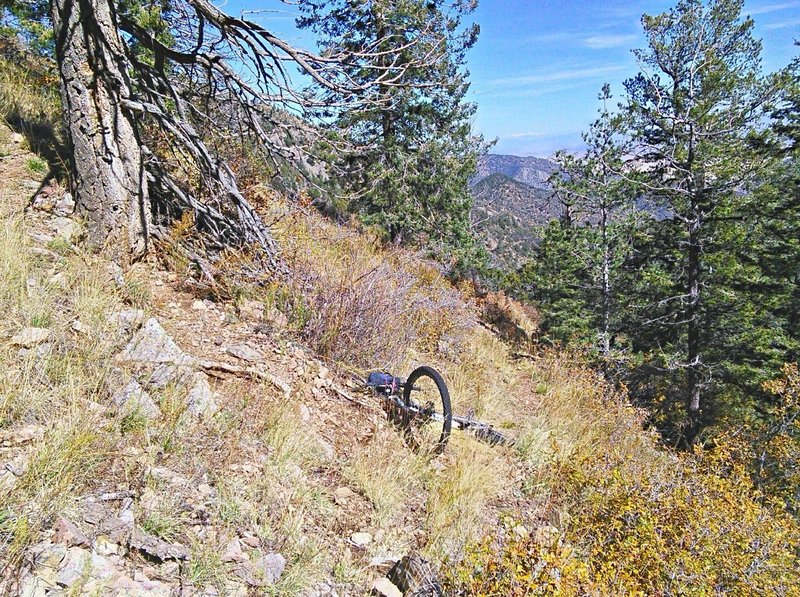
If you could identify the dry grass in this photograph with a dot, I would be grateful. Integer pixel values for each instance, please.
(386, 472)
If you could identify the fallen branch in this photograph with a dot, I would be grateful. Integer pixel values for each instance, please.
(251, 371)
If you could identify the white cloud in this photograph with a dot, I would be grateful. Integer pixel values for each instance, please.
(782, 25)
(566, 74)
(599, 42)
(768, 8)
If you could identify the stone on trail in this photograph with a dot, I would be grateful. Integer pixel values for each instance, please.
(385, 587)
(245, 353)
(67, 533)
(28, 337)
(152, 344)
(200, 400)
(157, 548)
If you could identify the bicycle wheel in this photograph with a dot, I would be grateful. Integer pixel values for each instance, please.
(428, 416)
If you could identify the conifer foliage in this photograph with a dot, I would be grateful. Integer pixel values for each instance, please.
(413, 149)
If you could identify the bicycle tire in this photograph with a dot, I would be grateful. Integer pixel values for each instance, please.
(421, 430)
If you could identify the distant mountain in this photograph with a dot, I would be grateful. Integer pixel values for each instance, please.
(531, 171)
(505, 214)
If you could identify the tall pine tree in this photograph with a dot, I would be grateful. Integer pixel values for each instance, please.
(692, 111)
(416, 151)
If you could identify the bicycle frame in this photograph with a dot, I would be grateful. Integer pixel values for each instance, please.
(392, 393)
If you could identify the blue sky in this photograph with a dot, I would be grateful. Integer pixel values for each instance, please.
(539, 64)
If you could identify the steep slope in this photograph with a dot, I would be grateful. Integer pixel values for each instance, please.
(506, 213)
(162, 435)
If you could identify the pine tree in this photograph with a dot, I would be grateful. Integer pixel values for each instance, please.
(692, 112)
(415, 151)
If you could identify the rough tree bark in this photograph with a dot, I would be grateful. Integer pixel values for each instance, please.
(108, 176)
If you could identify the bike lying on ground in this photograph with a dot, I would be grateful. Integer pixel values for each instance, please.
(420, 405)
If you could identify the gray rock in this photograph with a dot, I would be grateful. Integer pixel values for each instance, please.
(152, 344)
(21, 435)
(29, 337)
(157, 548)
(165, 374)
(361, 539)
(66, 228)
(133, 399)
(75, 566)
(385, 587)
(66, 205)
(244, 352)
(270, 567)
(200, 400)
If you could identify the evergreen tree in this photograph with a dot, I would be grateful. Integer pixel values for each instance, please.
(692, 113)
(415, 148)
(578, 262)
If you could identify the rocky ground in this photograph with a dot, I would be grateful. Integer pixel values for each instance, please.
(233, 460)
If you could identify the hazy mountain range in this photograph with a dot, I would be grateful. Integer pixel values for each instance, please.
(512, 198)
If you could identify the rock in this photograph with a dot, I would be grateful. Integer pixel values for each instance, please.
(66, 228)
(157, 548)
(251, 540)
(520, 531)
(200, 400)
(74, 566)
(67, 533)
(199, 306)
(361, 539)
(164, 374)
(244, 352)
(29, 337)
(251, 311)
(152, 344)
(66, 205)
(270, 567)
(17, 139)
(78, 326)
(385, 587)
(545, 535)
(21, 435)
(127, 320)
(133, 399)
(342, 495)
(105, 547)
(233, 552)
(379, 535)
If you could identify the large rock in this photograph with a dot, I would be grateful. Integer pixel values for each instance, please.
(200, 400)
(67, 533)
(152, 344)
(133, 399)
(244, 352)
(157, 548)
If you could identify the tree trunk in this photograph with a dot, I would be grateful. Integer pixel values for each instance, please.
(694, 323)
(107, 167)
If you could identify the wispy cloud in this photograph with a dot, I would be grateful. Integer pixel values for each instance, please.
(782, 25)
(600, 42)
(566, 74)
(768, 8)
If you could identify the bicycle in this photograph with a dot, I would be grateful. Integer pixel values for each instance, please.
(421, 406)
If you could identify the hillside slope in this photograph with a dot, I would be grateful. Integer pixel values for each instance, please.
(161, 435)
